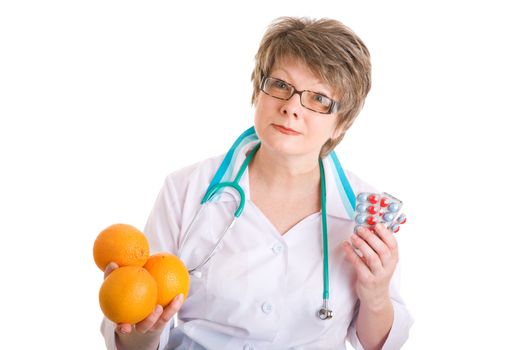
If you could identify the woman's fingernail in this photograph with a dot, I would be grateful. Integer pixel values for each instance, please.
(122, 330)
(158, 310)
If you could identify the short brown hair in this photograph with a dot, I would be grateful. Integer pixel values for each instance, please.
(331, 50)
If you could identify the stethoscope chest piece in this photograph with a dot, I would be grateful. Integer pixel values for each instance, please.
(324, 312)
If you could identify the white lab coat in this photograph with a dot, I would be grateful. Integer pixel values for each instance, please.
(261, 290)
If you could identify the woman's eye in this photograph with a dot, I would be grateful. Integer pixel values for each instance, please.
(280, 85)
(321, 99)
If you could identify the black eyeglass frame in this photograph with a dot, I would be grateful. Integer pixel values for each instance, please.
(334, 105)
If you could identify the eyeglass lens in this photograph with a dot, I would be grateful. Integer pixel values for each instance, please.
(312, 100)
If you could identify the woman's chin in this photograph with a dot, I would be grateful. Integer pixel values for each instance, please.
(285, 148)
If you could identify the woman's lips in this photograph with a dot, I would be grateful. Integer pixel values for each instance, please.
(285, 130)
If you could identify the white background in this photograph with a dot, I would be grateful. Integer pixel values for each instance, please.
(100, 100)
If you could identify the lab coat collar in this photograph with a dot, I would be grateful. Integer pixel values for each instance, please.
(338, 203)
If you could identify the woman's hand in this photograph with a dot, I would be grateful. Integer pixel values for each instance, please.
(146, 333)
(375, 267)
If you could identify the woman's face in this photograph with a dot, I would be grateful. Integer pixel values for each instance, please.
(287, 127)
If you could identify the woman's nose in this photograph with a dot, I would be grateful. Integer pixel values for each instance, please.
(293, 106)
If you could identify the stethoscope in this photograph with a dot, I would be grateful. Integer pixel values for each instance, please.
(324, 312)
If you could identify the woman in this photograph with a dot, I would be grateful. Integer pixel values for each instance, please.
(263, 288)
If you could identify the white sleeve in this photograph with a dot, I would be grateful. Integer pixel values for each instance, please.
(398, 334)
(107, 328)
(165, 336)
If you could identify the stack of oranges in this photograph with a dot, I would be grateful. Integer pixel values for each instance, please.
(131, 292)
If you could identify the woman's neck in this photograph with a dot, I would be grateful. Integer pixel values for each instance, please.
(277, 172)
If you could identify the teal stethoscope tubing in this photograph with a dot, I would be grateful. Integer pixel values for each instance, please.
(324, 312)
(216, 186)
(210, 192)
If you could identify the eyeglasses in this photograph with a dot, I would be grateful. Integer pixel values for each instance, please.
(311, 100)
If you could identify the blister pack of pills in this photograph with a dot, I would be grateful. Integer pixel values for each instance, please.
(375, 208)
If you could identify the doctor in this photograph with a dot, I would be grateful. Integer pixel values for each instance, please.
(263, 286)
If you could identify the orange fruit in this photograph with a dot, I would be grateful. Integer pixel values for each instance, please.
(128, 295)
(171, 275)
(122, 244)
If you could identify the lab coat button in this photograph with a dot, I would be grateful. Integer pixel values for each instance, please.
(266, 308)
(277, 248)
(248, 347)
